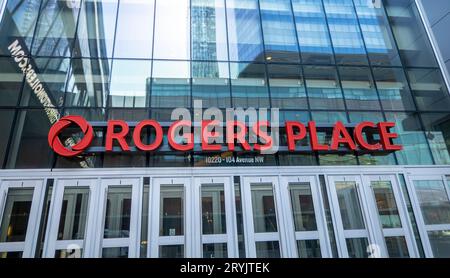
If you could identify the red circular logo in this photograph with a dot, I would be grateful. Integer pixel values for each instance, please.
(56, 144)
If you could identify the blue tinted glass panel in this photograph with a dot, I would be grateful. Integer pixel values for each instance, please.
(345, 33)
(171, 84)
(211, 84)
(411, 137)
(131, 44)
(437, 132)
(358, 87)
(249, 85)
(279, 31)
(208, 27)
(244, 31)
(98, 41)
(323, 87)
(312, 32)
(377, 35)
(56, 28)
(287, 87)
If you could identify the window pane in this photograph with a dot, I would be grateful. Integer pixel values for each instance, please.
(118, 212)
(172, 30)
(378, 38)
(357, 247)
(171, 212)
(209, 37)
(52, 73)
(393, 89)
(437, 131)
(386, 204)
(287, 88)
(115, 252)
(358, 87)
(72, 222)
(396, 247)
(56, 28)
(433, 200)
(171, 251)
(244, 31)
(88, 83)
(440, 243)
(249, 86)
(18, 23)
(213, 209)
(350, 207)
(95, 34)
(323, 88)
(409, 32)
(264, 215)
(6, 119)
(171, 84)
(130, 83)
(210, 84)
(215, 250)
(11, 79)
(29, 148)
(279, 31)
(134, 13)
(268, 249)
(345, 34)
(429, 90)
(308, 249)
(411, 137)
(16, 214)
(312, 32)
(302, 207)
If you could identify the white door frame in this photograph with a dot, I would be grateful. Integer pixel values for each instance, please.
(27, 247)
(321, 233)
(51, 243)
(133, 241)
(251, 237)
(230, 237)
(423, 228)
(405, 230)
(154, 239)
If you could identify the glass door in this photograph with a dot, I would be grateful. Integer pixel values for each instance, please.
(262, 219)
(431, 204)
(389, 215)
(72, 206)
(352, 227)
(306, 225)
(215, 219)
(119, 218)
(169, 212)
(21, 206)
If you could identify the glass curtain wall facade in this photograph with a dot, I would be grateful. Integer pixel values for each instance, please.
(328, 60)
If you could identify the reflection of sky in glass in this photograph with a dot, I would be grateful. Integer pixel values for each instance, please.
(129, 78)
(135, 29)
(172, 30)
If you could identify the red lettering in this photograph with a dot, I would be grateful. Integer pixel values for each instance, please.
(386, 136)
(206, 134)
(291, 137)
(239, 136)
(341, 136)
(359, 137)
(158, 135)
(188, 136)
(313, 138)
(257, 129)
(120, 136)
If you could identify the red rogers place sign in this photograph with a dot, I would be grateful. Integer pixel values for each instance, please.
(236, 133)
